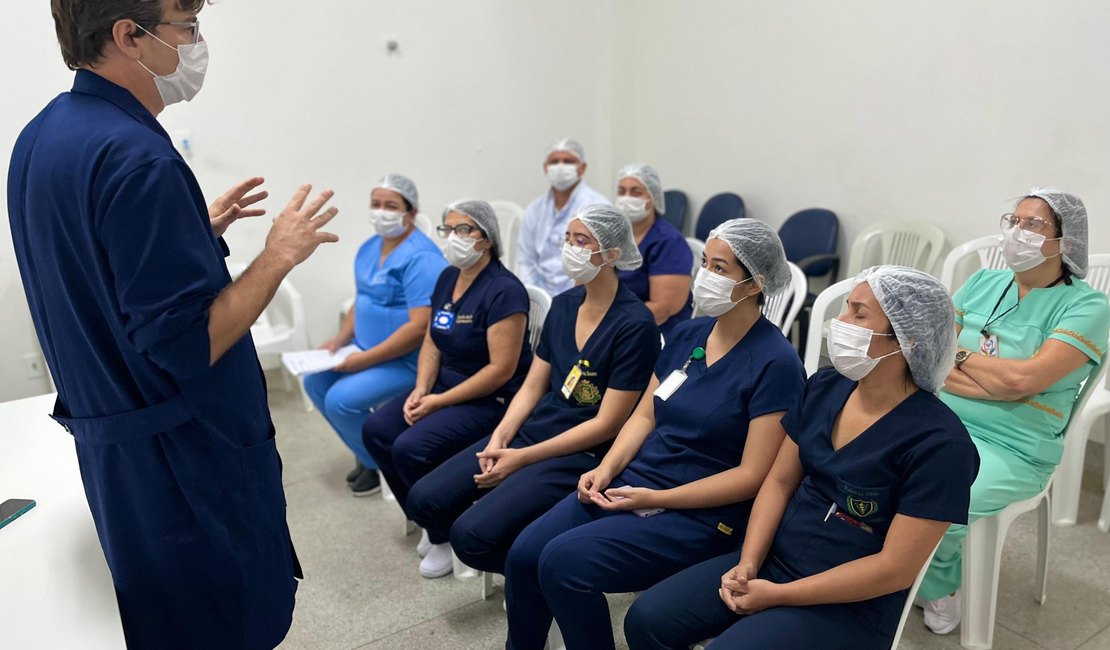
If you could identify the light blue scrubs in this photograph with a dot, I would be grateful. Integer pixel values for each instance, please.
(404, 280)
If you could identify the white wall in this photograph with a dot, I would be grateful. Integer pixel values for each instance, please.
(938, 111)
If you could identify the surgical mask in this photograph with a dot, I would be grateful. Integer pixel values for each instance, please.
(577, 264)
(848, 345)
(1022, 249)
(562, 175)
(388, 223)
(633, 208)
(713, 292)
(460, 251)
(184, 83)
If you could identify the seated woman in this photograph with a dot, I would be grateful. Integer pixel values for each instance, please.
(474, 358)
(1028, 338)
(395, 272)
(677, 485)
(663, 280)
(593, 360)
(873, 471)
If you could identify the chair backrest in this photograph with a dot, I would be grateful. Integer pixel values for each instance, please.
(697, 247)
(986, 249)
(1098, 272)
(539, 304)
(282, 324)
(808, 233)
(717, 210)
(909, 598)
(915, 244)
(509, 217)
(423, 223)
(829, 304)
(783, 309)
(677, 205)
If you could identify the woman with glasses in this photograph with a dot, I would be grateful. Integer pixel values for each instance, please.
(593, 360)
(395, 271)
(1028, 337)
(474, 358)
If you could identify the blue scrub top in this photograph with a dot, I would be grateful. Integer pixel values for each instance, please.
(460, 329)
(619, 354)
(665, 252)
(917, 460)
(702, 428)
(404, 281)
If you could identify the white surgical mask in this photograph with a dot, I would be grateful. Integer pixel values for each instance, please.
(1021, 249)
(713, 292)
(460, 251)
(388, 223)
(562, 175)
(848, 345)
(184, 83)
(577, 264)
(633, 208)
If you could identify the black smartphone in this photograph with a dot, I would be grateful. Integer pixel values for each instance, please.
(11, 509)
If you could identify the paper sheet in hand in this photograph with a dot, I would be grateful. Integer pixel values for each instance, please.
(310, 361)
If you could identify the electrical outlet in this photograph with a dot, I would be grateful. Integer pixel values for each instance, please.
(35, 365)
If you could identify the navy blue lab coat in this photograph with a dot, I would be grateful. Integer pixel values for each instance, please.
(120, 266)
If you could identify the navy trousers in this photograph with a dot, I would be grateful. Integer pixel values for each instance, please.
(443, 503)
(406, 454)
(686, 608)
(566, 561)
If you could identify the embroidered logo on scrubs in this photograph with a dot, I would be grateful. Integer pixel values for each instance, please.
(465, 319)
(861, 508)
(586, 394)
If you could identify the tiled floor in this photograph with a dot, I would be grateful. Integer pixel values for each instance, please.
(362, 589)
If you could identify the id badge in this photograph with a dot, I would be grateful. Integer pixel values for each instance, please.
(988, 345)
(444, 321)
(670, 385)
(571, 381)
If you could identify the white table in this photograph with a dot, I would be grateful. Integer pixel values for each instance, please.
(55, 589)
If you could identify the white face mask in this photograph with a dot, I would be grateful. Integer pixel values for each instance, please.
(577, 264)
(1021, 249)
(562, 175)
(713, 292)
(633, 208)
(184, 83)
(848, 345)
(460, 251)
(388, 223)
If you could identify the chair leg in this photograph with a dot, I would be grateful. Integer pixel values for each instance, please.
(1068, 478)
(461, 571)
(1044, 526)
(308, 405)
(487, 585)
(555, 638)
(982, 556)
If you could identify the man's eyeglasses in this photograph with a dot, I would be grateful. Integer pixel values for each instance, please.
(191, 27)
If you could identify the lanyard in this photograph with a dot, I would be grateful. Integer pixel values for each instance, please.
(697, 355)
(992, 319)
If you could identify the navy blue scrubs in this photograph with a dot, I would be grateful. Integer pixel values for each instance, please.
(566, 561)
(619, 354)
(665, 252)
(917, 460)
(460, 332)
(120, 266)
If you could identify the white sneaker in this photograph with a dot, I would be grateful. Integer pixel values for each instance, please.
(943, 614)
(424, 545)
(438, 562)
(919, 602)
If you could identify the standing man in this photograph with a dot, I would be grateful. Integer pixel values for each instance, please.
(147, 337)
(540, 247)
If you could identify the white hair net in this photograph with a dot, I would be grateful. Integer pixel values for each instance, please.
(920, 311)
(401, 185)
(483, 215)
(612, 230)
(1072, 213)
(568, 145)
(647, 175)
(759, 249)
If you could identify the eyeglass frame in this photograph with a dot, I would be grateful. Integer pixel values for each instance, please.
(1003, 223)
(444, 231)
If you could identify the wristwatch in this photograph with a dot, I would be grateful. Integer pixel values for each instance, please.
(962, 356)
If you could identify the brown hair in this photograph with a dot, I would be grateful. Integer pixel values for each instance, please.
(85, 26)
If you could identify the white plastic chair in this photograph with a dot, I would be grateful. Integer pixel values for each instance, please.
(986, 248)
(783, 309)
(537, 312)
(916, 244)
(697, 247)
(509, 217)
(828, 304)
(1093, 403)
